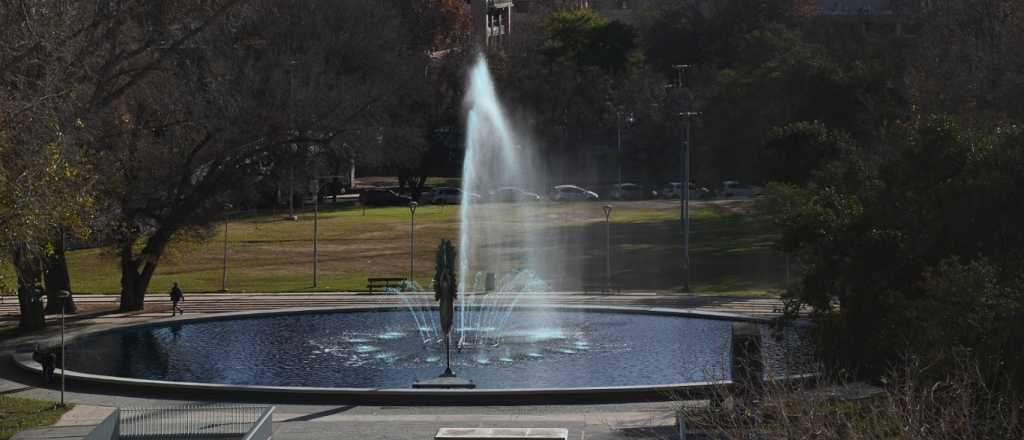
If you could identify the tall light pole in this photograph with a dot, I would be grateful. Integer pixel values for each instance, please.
(316, 227)
(685, 214)
(684, 165)
(316, 231)
(224, 269)
(63, 295)
(291, 160)
(412, 238)
(608, 247)
(621, 117)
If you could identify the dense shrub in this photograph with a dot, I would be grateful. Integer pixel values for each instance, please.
(916, 251)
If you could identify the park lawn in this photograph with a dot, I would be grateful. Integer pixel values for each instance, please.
(18, 414)
(730, 252)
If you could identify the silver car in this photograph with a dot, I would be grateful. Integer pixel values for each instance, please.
(572, 193)
(512, 194)
(445, 195)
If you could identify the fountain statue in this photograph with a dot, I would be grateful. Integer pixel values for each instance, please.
(444, 292)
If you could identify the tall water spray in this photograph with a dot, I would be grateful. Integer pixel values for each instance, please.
(495, 237)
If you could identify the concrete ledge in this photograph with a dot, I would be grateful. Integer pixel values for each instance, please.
(502, 434)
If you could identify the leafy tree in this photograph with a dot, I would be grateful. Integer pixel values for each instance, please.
(585, 38)
(794, 152)
(42, 192)
(918, 253)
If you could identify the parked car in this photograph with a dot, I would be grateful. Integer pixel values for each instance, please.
(445, 195)
(732, 188)
(572, 193)
(673, 191)
(630, 191)
(512, 194)
(382, 197)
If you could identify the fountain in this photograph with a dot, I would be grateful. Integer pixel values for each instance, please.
(510, 341)
(495, 157)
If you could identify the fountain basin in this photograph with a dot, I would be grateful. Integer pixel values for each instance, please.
(598, 354)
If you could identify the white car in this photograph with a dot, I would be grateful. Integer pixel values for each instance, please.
(444, 195)
(732, 188)
(572, 193)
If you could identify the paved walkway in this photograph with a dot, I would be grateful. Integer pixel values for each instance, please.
(615, 421)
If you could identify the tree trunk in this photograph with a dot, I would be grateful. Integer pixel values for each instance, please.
(57, 279)
(135, 282)
(29, 296)
(131, 298)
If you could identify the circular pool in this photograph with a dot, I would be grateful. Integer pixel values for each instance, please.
(534, 348)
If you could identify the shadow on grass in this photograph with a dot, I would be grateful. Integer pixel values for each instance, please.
(730, 254)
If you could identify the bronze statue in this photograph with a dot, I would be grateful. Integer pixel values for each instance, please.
(444, 292)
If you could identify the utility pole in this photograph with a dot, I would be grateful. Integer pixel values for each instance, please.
(224, 269)
(684, 165)
(608, 247)
(316, 227)
(63, 295)
(686, 199)
(412, 239)
(316, 231)
(621, 117)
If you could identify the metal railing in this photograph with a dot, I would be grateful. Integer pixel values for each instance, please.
(194, 422)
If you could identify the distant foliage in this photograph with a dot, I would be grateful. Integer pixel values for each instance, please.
(585, 38)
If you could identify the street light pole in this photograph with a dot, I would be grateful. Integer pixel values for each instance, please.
(63, 295)
(621, 117)
(224, 269)
(618, 124)
(412, 238)
(686, 203)
(316, 231)
(684, 165)
(608, 247)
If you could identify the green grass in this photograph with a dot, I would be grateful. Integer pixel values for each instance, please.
(731, 252)
(18, 414)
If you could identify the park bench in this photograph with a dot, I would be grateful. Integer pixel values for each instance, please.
(383, 283)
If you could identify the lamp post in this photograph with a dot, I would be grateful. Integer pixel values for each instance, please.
(412, 238)
(621, 117)
(684, 165)
(685, 214)
(608, 247)
(316, 231)
(63, 295)
(224, 269)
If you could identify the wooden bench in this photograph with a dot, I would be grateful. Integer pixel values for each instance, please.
(383, 283)
(502, 434)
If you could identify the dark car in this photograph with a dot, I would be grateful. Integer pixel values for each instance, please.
(382, 197)
(630, 191)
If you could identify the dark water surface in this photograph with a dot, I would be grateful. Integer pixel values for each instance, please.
(385, 349)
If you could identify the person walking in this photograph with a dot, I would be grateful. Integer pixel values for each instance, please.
(176, 296)
(47, 360)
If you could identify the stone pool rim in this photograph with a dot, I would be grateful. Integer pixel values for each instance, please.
(610, 394)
